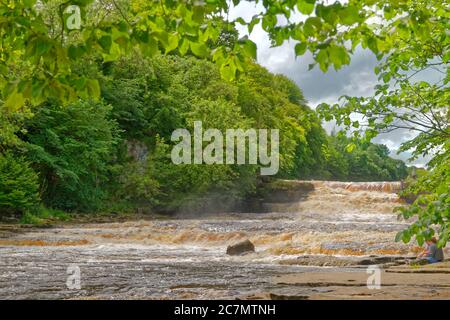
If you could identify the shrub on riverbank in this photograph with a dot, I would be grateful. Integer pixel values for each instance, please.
(72, 147)
(18, 185)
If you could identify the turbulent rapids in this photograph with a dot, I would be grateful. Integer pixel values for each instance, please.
(185, 258)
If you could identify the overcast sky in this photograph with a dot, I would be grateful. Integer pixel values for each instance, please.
(356, 79)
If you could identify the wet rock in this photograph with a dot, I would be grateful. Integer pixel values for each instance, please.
(285, 191)
(383, 260)
(274, 296)
(320, 261)
(138, 150)
(241, 248)
(327, 261)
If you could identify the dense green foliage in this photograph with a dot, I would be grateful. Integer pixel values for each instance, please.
(71, 149)
(432, 205)
(18, 184)
(366, 162)
(152, 98)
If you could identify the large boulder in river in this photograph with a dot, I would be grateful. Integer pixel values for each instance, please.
(241, 248)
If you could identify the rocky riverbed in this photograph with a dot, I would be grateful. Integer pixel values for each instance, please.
(316, 248)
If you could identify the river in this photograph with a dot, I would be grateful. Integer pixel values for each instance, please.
(184, 258)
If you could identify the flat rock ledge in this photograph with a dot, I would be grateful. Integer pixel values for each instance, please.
(397, 282)
(240, 248)
(333, 261)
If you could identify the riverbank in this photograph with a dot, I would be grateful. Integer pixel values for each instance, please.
(16, 225)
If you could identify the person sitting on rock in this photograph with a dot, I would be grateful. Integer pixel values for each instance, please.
(433, 254)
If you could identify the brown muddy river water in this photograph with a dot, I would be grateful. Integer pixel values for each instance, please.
(185, 258)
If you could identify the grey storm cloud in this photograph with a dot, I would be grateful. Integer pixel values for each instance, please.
(356, 79)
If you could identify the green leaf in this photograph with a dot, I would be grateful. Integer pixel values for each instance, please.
(306, 6)
(80, 83)
(74, 52)
(311, 26)
(184, 47)
(250, 48)
(82, 2)
(163, 37)
(93, 88)
(238, 64)
(198, 13)
(268, 22)
(14, 101)
(29, 3)
(328, 13)
(300, 48)
(406, 236)
(36, 88)
(322, 59)
(252, 24)
(42, 46)
(114, 53)
(338, 56)
(199, 49)
(349, 15)
(240, 20)
(446, 57)
(372, 43)
(350, 147)
(172, 43)
(150, 48)
(105, 42)
(228, 70)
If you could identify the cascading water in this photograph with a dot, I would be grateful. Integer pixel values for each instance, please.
(185, 258)
(383, 186)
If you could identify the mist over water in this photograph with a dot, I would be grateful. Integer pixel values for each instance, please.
(185, 258)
